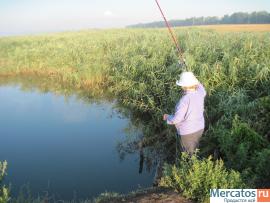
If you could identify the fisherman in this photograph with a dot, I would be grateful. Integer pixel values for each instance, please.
(188, 118)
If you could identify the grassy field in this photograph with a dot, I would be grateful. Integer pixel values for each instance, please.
(139, 67)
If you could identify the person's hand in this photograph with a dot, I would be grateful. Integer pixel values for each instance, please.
(165, 117)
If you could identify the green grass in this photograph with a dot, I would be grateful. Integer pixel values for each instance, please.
(4, 192)
(139, 67)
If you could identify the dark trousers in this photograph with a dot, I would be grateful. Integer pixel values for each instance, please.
(190, 142)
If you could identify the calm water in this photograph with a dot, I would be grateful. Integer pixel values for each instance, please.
(65, 146)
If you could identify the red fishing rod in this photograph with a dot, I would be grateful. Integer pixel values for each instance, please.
(181, 58)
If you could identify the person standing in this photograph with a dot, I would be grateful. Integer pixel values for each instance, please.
(189, 112)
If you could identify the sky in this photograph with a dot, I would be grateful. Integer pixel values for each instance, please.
(19, 17)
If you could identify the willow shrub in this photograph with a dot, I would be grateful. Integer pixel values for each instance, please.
(4, 194)
(242, 136)
(261, 168)
(239, 144)
(194, 177)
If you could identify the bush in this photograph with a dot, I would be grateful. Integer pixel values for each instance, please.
(262, 119)
(239, 144)
(194, 177)
(261, 168)
(3, 190)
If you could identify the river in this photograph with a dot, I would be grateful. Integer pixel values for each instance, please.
(66, 147)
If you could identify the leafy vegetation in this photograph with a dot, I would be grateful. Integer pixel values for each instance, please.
(194, 177)
(4, 193)
(139, 67)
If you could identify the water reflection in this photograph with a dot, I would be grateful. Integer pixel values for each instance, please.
(141, 148)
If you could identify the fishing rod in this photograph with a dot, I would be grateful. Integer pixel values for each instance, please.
(182, 61)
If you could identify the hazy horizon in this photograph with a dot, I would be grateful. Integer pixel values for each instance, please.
(23, 17)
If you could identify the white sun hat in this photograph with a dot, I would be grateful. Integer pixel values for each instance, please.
(187, 79)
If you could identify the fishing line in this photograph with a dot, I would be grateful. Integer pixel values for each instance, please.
(182, 61)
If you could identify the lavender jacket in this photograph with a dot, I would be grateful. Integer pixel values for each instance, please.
(188, 117)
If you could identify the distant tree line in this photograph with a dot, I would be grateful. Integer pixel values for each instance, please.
(261, 17)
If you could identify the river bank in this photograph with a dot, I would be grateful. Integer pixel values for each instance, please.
(147, 195)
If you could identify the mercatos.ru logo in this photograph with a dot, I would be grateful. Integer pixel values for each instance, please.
(232, 193)
(239, 195)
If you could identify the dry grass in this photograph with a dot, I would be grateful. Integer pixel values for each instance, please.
(64, 76)
(238, 28)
